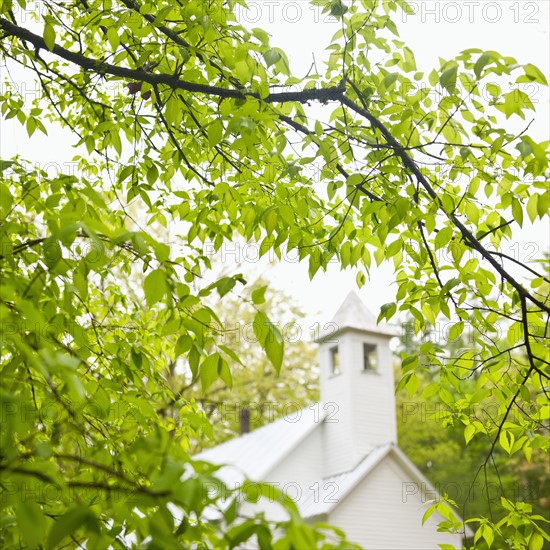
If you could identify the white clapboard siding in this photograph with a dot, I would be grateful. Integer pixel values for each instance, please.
(381, 514)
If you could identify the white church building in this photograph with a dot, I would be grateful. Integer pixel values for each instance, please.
(339, 459)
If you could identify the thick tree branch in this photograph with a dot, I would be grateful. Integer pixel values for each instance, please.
(100, 67)
(512, 259)
(467, 235)
(323, 95)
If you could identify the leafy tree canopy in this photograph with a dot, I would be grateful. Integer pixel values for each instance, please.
(257, 386)
(190, 119)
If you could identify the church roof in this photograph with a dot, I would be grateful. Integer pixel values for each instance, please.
(353, 314)
(255, 454)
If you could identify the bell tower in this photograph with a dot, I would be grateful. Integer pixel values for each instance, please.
(357, 386)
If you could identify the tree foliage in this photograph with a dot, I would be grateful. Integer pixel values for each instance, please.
(433, 433)
(256, 384)
(187, 118)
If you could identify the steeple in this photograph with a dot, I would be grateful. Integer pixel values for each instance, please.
(357, 385)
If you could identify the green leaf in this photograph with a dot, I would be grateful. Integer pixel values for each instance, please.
(387, 311)
(465, 152)
(258, 295)
(517, 211)
(515, 333)
(225, 373)
(483, 60)
(488, 535)
(354, 180)
(428, 513)
(231, 512)
(450, 284)
(543, 204)
(271, 56)
(260, 325)
(270, 339)
(31, 522)
(408, 9)
(318, 128)
(225, 285)
(338, 9)
(412, 384)
(534, 74)
(215, 132)
(170, 475)
(261, 35)
(536, 542)
(49, 36)
(51, 250)
(208, 371)
(230, 353)
(113, 38)
(183, 345)
(274, 347)
(345, 254)
(447, 79)
(394, 248)
(472, 212)
(506, 440)
(152, 174)
(456, 330)
(241, 533)
(154, 286)
(469, 432)
(5, 164)
(389, 79)
(173, 111)
(443, 237)
(525, 148)
(69, 522)
(514, 103)
(532, 207)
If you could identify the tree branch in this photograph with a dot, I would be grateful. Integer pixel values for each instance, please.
(315, 94)
(467, 235)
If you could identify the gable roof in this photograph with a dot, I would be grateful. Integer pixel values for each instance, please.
(333, 489)
(353, 314)
(255, 454)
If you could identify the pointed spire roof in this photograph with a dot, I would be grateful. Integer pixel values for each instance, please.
(354, 315)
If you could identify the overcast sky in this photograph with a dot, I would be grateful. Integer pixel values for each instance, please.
(440, 29)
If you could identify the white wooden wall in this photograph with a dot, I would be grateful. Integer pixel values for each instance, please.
(379, 516)
(364, 401)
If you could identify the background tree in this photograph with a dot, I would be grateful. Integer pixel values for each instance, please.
(181, 113)
(431, 432)
(257, 385)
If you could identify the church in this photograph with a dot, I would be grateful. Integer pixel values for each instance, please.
(339, 459)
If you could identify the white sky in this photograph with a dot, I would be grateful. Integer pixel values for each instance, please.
(440, 29)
